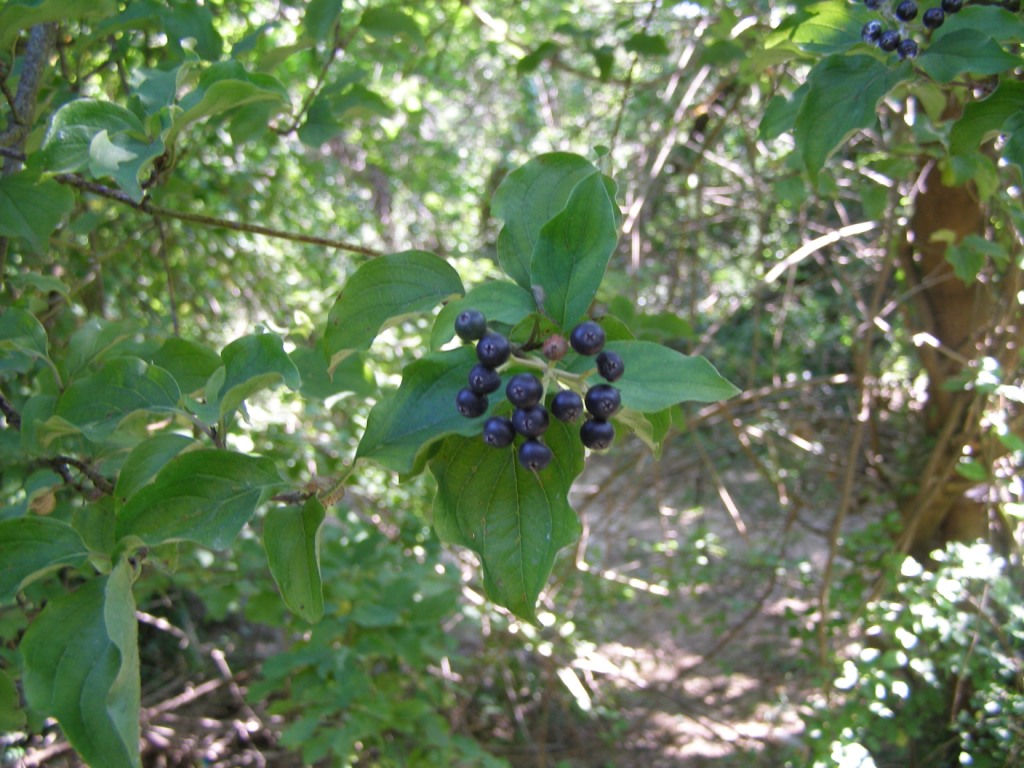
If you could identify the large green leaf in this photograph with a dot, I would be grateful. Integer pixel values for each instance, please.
(514, 519)
(253, 363)
(31, 547)
(982, 119)
(352, 375)
(406, 422)
(382, 291)
(16, 15)
(190, 363)
(22, 340)
(657, 377)
(832, 26)
(572, 251)
(82, 667)
(526, 200)
(291, 536)
(499, 300)
(964, 51)
(31, 209)
(145, 461)
(842, 98)
(390, 22)
(96, 404)
(204, 496)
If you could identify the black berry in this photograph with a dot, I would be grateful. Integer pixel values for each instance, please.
(906, 10)
(524, 390)
(610, 366)
(470, 404)
(493, 349)
(483, 380)
(470, 324)
(530, 422)
(499, 432)
(597, 434)
(603, 400)
(889, 40)
(533, 454)
(933, 18)
(567, 406)
(587, 338)
(952, 6)
(871, 32)
(907, 49)
(873, 5)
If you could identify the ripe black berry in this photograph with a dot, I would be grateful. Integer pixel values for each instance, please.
(470, 404)
(871, 32)
(952, 6)
(889, 40)
(603, 400)
(610, 366)
(567, 405)
(524, 390)
(587, 338)
(493, 349)
(470, 324)
(499, 432)
(906, 10)
(907, 49)
(483, 380)
(597, 434)
(533, 454)
(933, 18)
(530, 422)
(873, 5)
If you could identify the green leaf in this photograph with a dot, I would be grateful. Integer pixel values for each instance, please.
(43, 284)
(824, 28)
(12, 718)
(499, 300)
(223, 87)
(514, 519)
(82, 667)
(123, 161)
(405, 423)
(964, 51)
(32, 210)
(291, 537)
(17, 15)
(22, 340)
(572, 251)
(320, 18)
(390, 22)
(780, 114)
(205, 496)
(970, 254)
(990, 20)
(646, 45)
(66, 147)
(94, 339)
(145, 461)
(546, 50)
(351, 376)
(657, 377)
(253, 363)
(982, 119)
(842, 98)
(31, 547)
(383, 291)
(96, 404)
(191, 364)
(196, 22)
(527, 199)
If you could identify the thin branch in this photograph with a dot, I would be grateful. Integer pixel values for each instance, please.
(37, 52)
(100, 483)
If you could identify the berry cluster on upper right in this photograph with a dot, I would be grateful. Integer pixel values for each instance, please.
(900, 14)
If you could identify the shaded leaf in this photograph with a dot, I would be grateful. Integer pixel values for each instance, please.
(16, 15)
(390, 22)
(291, 537)
(499, 300)
(22, 340)
(31, 209)
(31, 547)
(205, 496)
(145, 461)
(12, 718)
(251, 364)
(982, 119)
(82, 667)
(190, 363)
(964, 51)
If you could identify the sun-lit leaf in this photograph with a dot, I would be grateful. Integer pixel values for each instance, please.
(205, 496)
(31, 547)
(516, 520)
(291, 537)
(254, 363)
(82, 667)
(499, 300)
(383, 291)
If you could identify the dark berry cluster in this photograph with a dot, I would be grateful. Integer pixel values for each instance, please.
(525, 392)
(899, 14)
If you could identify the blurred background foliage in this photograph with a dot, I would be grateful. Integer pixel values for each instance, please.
(748, 600)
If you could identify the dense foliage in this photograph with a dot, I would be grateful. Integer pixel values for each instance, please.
(263, 264)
